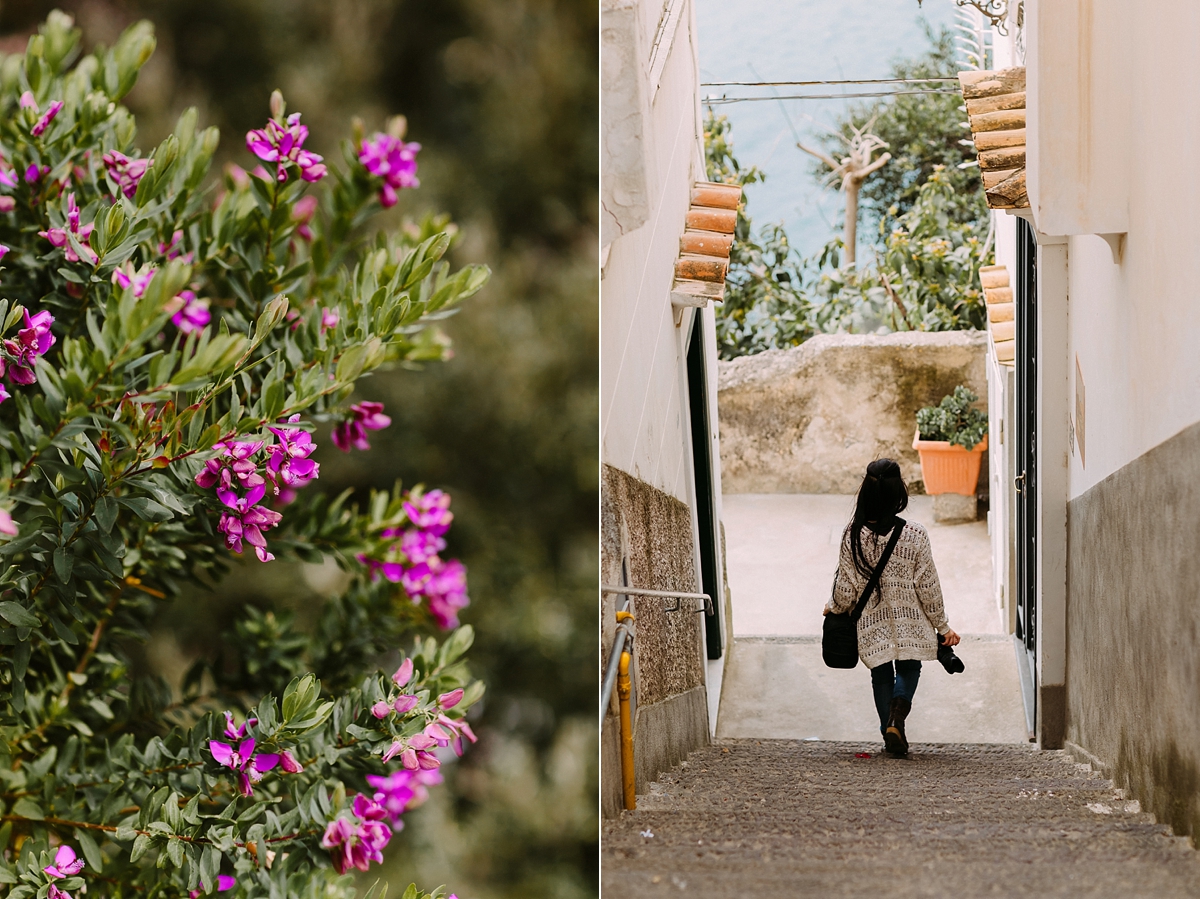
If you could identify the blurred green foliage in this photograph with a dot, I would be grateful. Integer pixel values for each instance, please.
(931, 226)
(922, 132)
(503, 96)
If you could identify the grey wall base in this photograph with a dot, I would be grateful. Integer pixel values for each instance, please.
(1052, 715)
(663, 735)
(1133, 628)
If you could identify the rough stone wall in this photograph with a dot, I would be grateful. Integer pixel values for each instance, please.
(809, 419)
(655, 530)
(1133, 628)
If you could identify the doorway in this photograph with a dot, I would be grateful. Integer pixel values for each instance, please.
(702, 465)
(1025, 461)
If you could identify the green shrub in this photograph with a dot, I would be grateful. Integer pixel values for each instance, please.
(954, 419)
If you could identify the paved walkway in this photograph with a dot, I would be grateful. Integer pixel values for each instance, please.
(786, 818)
(782, 552)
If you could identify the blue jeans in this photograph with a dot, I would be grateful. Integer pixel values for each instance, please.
(897, 683)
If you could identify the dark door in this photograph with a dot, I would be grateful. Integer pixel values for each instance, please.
(1025, 444)
(703, 468)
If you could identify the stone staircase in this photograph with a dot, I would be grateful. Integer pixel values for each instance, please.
(784, 818)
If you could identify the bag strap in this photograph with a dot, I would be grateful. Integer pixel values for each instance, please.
(878, 572)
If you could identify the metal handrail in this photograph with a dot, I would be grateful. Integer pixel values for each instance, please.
(665, 594)
(624, 641)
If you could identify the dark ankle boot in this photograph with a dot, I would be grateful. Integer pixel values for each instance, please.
(893, 737)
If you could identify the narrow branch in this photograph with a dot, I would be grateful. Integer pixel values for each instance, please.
(824, 157)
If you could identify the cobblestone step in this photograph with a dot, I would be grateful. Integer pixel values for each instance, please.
(788, 818)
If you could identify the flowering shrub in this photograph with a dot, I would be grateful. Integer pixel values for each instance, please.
(168, 347)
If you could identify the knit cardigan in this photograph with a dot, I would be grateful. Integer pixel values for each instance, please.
(903, 617)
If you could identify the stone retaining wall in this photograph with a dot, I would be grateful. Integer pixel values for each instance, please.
(810, 418)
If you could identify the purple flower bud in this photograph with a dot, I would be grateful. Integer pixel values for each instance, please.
(7, 525)
(125, 172)
(44, 122)
(381, 709)
(404, 703)
(451, 699)
(403, 673)
(289, 763)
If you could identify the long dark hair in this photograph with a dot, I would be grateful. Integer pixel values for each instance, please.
(881, 498)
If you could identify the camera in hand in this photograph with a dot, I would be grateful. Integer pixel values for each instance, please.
(946, 655)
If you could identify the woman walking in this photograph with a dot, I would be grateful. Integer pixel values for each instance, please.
(901, 622)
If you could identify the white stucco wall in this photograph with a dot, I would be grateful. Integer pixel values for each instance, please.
(641, 384)
(1132, 323)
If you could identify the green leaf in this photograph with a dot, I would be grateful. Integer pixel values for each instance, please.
(146, 509)
(17, 614)
(460, 641)
(63, 562)
(140, 846)
(91, 852)
(27, 808)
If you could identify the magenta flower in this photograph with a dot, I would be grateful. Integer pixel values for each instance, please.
(125, 172)
(289, 460)
(458, 728)
(193, 314)
(243, 468)
(4, 394)
(381, 710)
(250, 767)
(353, 431)
(34, 340)
(446, 591)
(43, 123)
(302, 213)
(404, 673)
(58, 236)
(329, 319)
(3, 249)
(224, 882)
(125, 277)
(420, 546)
(357, 843)
(56, 893)
(8, 177)
(238, 732)
(282, 145)
(392, 160)
(36, 173)
(7, 525)
(414, 752)
(248, 521)
(171, 248)
(430, 512)
(7, 204)
(395, 793)
(65, 863)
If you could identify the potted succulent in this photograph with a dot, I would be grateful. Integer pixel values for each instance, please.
(950, 440)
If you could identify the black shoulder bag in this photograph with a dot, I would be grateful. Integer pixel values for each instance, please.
(839, 635)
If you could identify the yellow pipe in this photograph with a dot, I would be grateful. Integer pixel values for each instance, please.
(627, 773)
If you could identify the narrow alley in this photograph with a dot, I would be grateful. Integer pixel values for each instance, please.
(792, 818)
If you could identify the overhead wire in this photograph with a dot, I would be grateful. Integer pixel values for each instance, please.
(715, 101)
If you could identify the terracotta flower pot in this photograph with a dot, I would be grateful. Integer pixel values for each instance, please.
(947, 467)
